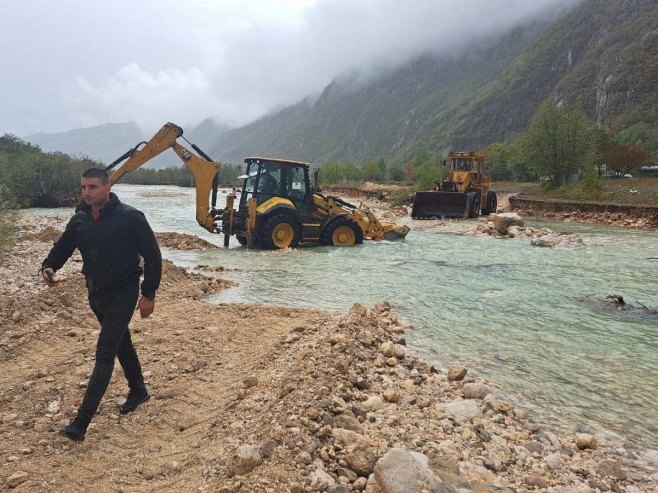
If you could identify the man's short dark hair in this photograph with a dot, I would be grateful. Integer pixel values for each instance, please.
(99, 173)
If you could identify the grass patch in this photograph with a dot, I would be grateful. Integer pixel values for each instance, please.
(400, 198)
(633, 191)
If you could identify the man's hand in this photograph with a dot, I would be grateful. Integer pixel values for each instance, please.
(49, 277)
(145, 307)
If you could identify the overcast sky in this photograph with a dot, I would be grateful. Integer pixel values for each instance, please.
(72, 63)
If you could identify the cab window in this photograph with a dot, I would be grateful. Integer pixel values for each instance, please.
(269, 180)
(296, 183)
(461, 164)
(250, 182)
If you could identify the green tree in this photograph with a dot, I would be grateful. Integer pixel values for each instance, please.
(498, 158)
(383, 171)
(333, 172)
(396, 171)
(371, 171)
(427, 170)
(13, 146)
(352, 171)
(559, 142)
(37, 179)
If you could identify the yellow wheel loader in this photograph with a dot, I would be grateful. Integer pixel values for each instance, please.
(465, 193)
(277, 207)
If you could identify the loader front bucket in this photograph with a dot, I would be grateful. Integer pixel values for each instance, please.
(428, 205)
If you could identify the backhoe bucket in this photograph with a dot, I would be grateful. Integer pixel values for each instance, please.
(395, 232)
(428, 205)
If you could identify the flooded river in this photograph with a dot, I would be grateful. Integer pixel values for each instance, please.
(531, 320)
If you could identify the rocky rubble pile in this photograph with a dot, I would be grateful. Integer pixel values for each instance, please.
(511, 225)
(182, 241)
(347, 407)
(609, 218)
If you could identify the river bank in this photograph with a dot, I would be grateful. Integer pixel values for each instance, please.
(255, 398)
(527, 204)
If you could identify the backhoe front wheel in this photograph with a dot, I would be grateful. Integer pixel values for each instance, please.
(279, 231)
(342, 231)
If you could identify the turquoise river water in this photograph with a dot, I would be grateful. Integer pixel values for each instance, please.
(531, 320)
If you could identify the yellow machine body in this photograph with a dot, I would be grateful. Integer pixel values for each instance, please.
(465, 193)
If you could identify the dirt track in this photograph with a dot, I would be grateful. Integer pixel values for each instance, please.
(195, 357)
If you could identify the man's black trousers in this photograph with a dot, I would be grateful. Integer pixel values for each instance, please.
(114, 311)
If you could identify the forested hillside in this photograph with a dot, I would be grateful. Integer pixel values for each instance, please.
(602, 55)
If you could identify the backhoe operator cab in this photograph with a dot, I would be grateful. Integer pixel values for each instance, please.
(274, 205)
(265, 179)
(278, 208)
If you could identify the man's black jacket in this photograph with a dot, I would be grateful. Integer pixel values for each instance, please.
(111, 247)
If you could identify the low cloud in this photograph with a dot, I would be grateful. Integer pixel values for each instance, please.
(157, 61)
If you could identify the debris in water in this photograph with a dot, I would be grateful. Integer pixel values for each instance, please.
(616, 298)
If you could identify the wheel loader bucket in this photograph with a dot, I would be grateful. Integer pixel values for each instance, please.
(428, 205)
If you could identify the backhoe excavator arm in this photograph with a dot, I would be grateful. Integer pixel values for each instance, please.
(205, 170)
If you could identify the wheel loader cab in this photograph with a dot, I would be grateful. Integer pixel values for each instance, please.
(462, 164)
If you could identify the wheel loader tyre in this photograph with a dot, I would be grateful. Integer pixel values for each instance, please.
(342, 231)
(492, 203)
(279, 231)
(473, 204)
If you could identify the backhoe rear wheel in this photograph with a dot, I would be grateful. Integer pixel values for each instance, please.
(342, 231)
(279, 231)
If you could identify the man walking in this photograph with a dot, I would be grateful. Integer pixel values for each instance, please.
(111, 237)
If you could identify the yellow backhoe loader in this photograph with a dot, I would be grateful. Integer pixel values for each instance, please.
(465, 193)
(277, 207)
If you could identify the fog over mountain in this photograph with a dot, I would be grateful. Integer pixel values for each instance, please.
(73, 64)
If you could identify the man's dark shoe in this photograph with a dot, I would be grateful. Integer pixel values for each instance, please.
(75, 431)
(134, 399)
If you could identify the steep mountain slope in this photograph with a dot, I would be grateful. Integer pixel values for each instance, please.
(389, 117)
(104, 142)
(602, 55)
(109, 141)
